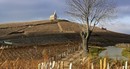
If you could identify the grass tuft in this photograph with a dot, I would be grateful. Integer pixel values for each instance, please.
(126, 52)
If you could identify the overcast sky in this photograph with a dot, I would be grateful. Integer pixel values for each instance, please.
(28, 10)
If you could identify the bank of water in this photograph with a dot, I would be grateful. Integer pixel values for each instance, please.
(113, 52)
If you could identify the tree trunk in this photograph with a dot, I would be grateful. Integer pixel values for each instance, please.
(85, 42)
(84, 45)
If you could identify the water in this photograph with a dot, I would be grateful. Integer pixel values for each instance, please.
(113, 52)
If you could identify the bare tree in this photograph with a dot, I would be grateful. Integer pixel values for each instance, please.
(90, 13)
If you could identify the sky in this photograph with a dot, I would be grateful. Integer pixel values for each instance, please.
(28, 10)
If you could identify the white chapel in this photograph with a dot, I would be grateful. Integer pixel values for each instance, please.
(53, 17)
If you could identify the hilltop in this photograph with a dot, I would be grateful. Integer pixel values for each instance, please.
(38, 27)
(52, 32)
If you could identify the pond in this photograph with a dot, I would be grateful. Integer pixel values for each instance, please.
(113, 52)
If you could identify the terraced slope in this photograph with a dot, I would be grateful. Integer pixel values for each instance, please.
(49, 32)
(40, 33)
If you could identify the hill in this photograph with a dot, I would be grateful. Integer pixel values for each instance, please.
(27, 40)
(51, 32)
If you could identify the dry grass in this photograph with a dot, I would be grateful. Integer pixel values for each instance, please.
(123, 45)
(35, 52)
(30, 57)
(24, 62)
(86, 64)
(20, 64)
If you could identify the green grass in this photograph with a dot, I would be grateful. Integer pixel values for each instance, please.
(126, 52)
(94, 51)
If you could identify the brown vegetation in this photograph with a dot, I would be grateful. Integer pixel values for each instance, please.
(39, 35)
(32, 32)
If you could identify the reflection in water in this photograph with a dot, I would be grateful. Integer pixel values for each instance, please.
(113, 52)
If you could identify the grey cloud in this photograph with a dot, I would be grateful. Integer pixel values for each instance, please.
(119, 27)
(122, 2)
(123, 11)
(29, 9)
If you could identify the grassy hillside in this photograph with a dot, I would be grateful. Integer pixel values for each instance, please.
(41, 27)
(51, 32)
(30, 39)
